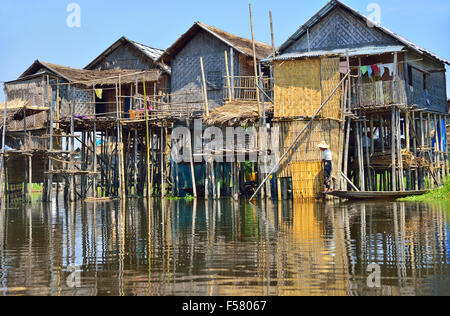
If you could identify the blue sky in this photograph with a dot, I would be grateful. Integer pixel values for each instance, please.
(37, 29)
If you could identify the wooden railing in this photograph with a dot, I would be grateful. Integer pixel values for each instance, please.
(381, 93)
(245, 89)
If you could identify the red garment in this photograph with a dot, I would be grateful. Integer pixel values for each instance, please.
(376, 70)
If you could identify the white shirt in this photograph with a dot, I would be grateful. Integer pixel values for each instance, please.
(327, 155)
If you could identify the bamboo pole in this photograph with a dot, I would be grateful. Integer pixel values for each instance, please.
(228, 77)
(26, 158)
(205, 90)
(147, 133)
(254, 60)
(192, 166)
(118, 163)
(274, 51)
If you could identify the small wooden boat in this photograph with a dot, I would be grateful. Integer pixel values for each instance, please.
(369, 195)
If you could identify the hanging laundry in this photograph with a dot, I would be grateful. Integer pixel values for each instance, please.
(343, 67)
(363, 70)
(381, 69)
(369, 71)
(376, 70)
(390, 67)
(427, 97)
(99, 93)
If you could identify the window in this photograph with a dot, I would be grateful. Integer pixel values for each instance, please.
(424, 81)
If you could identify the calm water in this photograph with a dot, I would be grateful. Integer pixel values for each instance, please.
(224, 248)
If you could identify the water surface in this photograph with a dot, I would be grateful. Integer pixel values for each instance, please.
(224, 248)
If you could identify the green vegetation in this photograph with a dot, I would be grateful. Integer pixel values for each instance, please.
(187, 198)
(441, 194)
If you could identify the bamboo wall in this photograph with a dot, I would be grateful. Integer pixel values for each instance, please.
(306, 154)
(301, 86)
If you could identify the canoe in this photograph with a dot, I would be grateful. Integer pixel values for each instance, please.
(353, 195)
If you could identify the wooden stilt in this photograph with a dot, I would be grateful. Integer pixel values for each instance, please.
(163, 184)
(399, 152)
(393, 150)
(3, 180)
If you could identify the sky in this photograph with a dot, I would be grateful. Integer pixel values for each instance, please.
(38, 29)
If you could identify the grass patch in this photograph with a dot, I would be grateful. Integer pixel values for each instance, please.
(441, 194)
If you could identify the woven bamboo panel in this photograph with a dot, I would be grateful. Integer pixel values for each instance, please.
(307, 179)
(297, 88)
(305, 149)
(330, 77)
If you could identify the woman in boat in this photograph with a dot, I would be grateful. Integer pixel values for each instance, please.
(327, 164)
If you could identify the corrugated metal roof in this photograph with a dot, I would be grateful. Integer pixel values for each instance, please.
(153, 53)
(361, 51)
(333, 4)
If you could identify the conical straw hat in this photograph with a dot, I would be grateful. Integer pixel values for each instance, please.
(323, 145)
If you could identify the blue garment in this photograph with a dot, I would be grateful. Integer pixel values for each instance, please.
(328, 170)
(427, 97)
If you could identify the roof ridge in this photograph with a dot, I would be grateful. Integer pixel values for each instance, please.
(241, 37)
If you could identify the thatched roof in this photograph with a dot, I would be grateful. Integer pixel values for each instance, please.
(240, 44)
(91, 77)
(236, 113)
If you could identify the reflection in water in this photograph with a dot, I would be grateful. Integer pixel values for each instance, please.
(224, 248)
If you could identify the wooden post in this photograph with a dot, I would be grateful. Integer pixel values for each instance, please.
(163, 185)
(408, 148)
(399, 153)
(369, 173)
(72, 153)
(94, 161)
(359, 152)
(393, 150)
(57, 104)
(205, 90)
(135, 171)
(48, 198)
(192, 166)
(3, 165)
(446, 147)
(430, 149)
(414, 129)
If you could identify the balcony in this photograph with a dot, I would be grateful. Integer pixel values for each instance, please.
(243, 88)
(381, 93)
